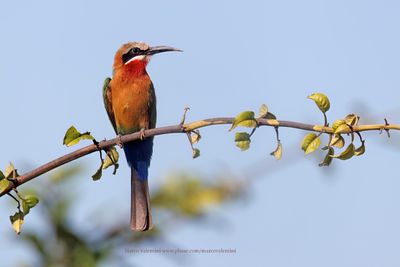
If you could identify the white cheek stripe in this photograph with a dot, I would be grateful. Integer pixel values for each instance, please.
(141, 58)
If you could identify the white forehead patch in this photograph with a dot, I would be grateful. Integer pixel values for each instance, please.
(140, 58)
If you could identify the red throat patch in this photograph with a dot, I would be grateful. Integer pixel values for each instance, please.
(136, 67)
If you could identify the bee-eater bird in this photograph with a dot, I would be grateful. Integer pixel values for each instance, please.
(130, 102)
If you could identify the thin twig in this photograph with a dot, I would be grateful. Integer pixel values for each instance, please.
(188, 127)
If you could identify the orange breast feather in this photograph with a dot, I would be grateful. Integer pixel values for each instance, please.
(130, 100)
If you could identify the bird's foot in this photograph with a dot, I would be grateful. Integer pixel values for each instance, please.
(142, 134)
(119, 141)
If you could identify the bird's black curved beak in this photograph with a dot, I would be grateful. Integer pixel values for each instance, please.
(160, 49)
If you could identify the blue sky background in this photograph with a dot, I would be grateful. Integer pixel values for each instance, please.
(238, 55)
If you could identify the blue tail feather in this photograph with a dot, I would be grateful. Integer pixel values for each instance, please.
(138, 155)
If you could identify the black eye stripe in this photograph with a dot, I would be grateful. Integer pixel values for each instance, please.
(133, 52)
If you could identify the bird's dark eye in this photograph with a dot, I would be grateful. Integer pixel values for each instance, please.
(135, 50)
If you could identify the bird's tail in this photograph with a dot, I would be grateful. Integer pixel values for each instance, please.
(140, 203)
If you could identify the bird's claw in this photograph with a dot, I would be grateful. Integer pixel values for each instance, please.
(119, 141)
(142, 134)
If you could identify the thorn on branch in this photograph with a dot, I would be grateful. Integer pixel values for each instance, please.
(384, 128)
(387, 130)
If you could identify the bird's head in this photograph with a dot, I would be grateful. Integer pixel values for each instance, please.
(136, 55)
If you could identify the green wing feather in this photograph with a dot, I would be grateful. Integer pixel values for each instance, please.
(108, 102)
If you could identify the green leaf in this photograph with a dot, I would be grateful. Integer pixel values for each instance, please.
(31, 200)
(25, 207)
(343, 128)
(28, 202)
(277, 153)
(10, 172)
(352, 119)
(16, 221)
(2, 176)
(321, 100)
(347, 154)
(337, 123)
(310, 143)
(112, 157)
(337, 140)
(328, 158)
(263, 111)
(116, 166)
(245, 119)
(72, 136)
(195, 137)
(97, 174)
(242, 140)
(270, 116)
(360, 150)
(196, 153)
(4, 183)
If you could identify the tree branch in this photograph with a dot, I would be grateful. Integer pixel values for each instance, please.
(185, 128)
